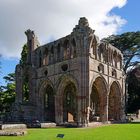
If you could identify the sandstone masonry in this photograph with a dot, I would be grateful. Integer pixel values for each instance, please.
(76, 79)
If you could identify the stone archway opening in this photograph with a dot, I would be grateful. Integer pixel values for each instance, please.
(49, 104)
(114, 107)
(94, 105)
(69, 103)
(98, 101)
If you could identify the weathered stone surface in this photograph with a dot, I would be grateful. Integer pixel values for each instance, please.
(47, 125)
(12, 126)
(74, 79)
(13, 132)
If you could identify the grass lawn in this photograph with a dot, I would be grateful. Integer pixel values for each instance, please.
(110, 132)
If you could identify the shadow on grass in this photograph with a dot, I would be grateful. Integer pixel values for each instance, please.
(134, 123)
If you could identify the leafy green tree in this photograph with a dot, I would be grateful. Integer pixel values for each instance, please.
(133, 89)
(7, 93)
(24, 52)
(23, 63)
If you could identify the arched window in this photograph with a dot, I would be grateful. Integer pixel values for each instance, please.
(49, 104)
(111, 57)
(101, 68)
(94, 45)
(58, 52)
(40, 59)
(114, 73)
(100, 51)
(115, 58)
(52, 50)
(66, 49)
(45, 57)
(73, 55)
(120, 61)
(51, 56)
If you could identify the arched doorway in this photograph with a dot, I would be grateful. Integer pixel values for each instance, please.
(94, 105)
(49, 104)
(114, 109)
(69, 103)
(98, 101)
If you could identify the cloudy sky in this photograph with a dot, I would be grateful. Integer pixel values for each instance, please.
(52, 19)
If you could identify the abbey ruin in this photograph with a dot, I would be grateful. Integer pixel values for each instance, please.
(77, 78)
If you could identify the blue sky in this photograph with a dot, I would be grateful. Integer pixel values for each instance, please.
(130, 12)
(127, 15)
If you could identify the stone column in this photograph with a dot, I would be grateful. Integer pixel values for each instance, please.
(107, 107)
(79, 111)
(19, 84)
(58, 109)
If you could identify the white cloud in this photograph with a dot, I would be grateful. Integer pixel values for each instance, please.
(53, 19)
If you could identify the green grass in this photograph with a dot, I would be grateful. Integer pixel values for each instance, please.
(111, 132)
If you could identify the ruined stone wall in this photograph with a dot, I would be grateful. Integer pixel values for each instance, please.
(79, 59)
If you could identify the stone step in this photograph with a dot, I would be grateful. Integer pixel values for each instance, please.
(12, 126)
(13, 132)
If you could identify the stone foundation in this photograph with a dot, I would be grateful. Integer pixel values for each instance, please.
(48, 125)
(12, 126)
(13, 132)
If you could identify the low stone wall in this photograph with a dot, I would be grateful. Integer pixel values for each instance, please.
(24, 126)
(47, 125)
(12, 126)
(13, 132)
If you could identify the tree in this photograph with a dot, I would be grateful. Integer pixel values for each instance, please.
(23, 63)
(24, 52)
(7, 93)
(133, 89)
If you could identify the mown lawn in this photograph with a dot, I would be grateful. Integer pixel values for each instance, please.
(111, 132)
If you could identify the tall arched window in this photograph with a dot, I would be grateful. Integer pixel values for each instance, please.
(120, 61)
(115, 58)
(58, 52)
(66, 49)
(49, 104)
(45, 57)
(73, 55)
(40, 59)
(51, 56)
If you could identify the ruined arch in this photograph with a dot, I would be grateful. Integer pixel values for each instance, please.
(45, 56)
(69, 103)
(120, 61)
(66, 48)
(40, 58)
(66, 100)
(98, 100)
(61, 83)
(115, 58)
(114, 102)
(58, 52)
(47, 101)
(74, 53)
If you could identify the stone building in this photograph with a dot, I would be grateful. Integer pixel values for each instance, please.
(76, 79)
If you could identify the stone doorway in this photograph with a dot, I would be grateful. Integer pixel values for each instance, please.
(94, 105)
(98, 101)
(69, 103)
(114, 109)
(49, 104)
